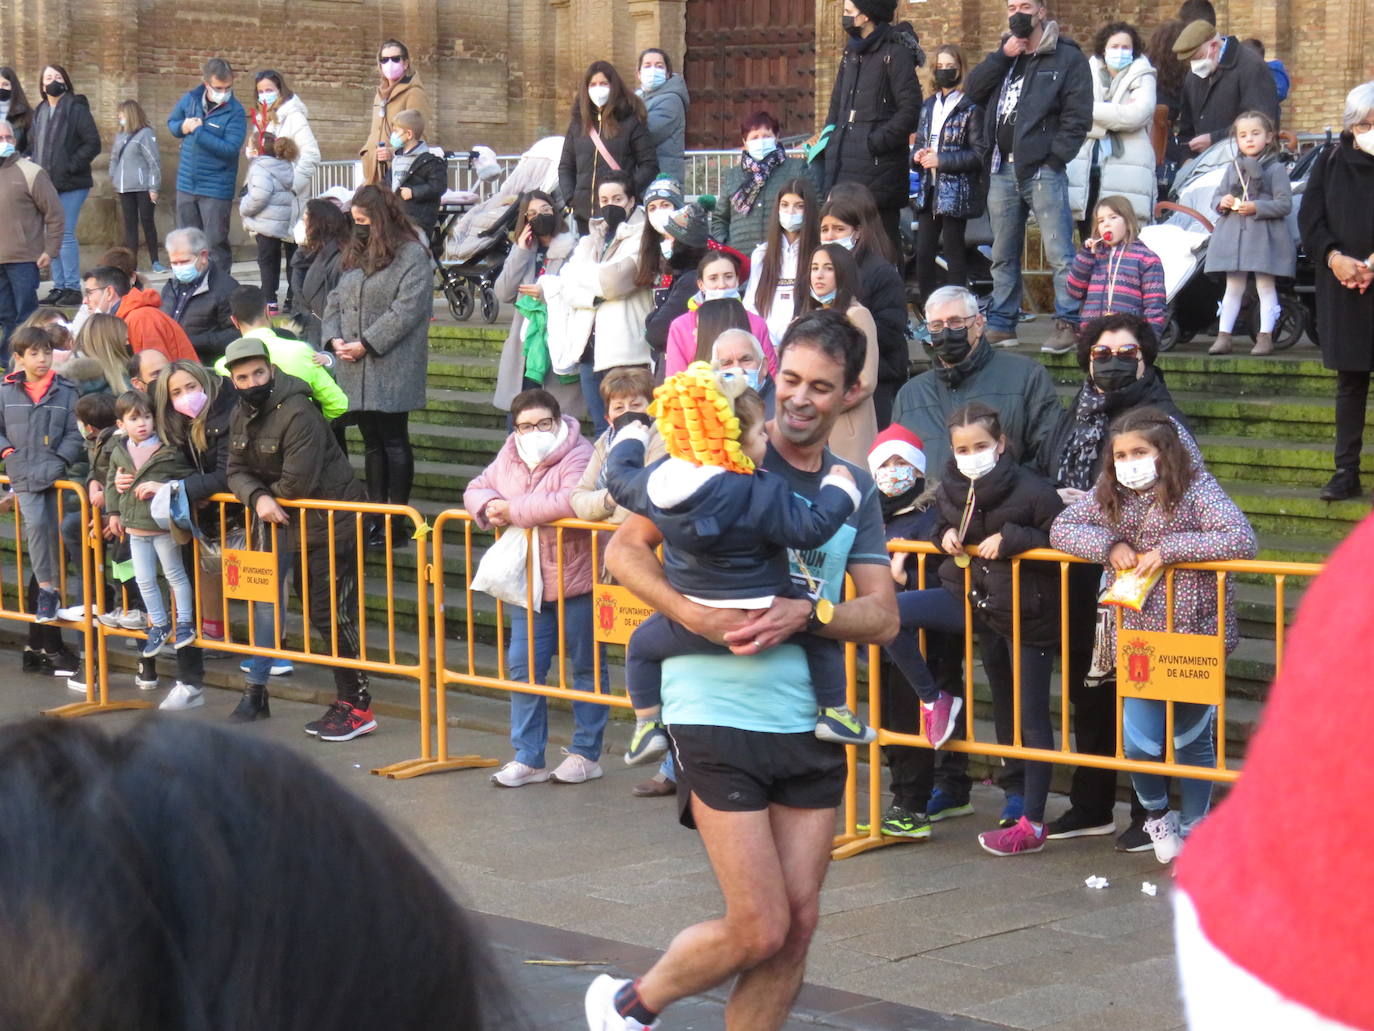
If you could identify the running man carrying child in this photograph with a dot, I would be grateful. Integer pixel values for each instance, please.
(727, 526)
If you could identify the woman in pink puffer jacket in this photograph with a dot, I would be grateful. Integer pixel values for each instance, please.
(529, 484)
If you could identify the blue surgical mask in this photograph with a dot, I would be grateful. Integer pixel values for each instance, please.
(397, 141)
(6, 150)
(665, 247)
(791, 221)
(823, 298)
(728, 294)
(187, 273)
(754, 378)
(1118, 58)
(652, 78)
(267, 99)
(760, 148)
(847, 242)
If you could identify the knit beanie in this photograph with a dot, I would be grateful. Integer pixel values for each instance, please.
(878, 10)
(665, 187)
(696, 417)
(900, 441)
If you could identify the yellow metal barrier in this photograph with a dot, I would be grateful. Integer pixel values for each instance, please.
(84, 626)
(850, 842)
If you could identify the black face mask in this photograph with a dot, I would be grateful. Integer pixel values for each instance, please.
(55, 88)
(543, 224)
(946, 77)
(5, 95)
(951, 346)
(362, 233)
(1021, 25)
(1114, 373)
(847, 22)
(625, 418)
(255, 397)
(613, 215)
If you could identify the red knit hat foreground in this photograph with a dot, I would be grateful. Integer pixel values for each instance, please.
(899, 441)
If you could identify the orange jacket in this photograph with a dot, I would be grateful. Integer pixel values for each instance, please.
(149, 326)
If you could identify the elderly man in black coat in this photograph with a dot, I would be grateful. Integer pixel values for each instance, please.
(197, 294)
(1227, 80)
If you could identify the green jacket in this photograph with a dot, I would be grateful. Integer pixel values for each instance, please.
(297, 358)
(166, 464)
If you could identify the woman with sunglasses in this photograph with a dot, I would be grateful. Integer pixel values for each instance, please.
(1118, 354)
(398, 89)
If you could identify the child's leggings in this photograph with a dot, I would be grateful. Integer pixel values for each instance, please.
(148, 553)
(1235, 290)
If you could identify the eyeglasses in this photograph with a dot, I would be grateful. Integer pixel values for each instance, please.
(391, 59)
(1100, 352)
(955, 324)
(92, 291)
(1361, 127)
(543, 426)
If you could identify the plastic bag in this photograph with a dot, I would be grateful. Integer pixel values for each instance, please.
(1131, 589)
(501, 573)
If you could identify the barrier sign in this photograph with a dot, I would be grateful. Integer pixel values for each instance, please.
(250, 576)
(618, 613)
(1170, 667)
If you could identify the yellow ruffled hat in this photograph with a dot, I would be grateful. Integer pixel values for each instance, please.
(696, 417)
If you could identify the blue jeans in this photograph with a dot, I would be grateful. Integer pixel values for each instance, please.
(66, 265)
(18, 299)
(1010, 204)
(529, 713)
(1194, 745)
(591, 394)
(147, 554)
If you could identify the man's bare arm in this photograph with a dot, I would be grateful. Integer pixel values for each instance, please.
(871, 618)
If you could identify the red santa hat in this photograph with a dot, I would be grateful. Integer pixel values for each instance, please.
(899, 441)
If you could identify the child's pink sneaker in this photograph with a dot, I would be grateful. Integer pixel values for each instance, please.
(1020, 837)
(940, 716)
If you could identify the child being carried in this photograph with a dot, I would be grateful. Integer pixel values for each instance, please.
(727, 526)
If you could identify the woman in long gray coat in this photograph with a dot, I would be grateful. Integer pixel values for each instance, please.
(377, 322)
(542, 244)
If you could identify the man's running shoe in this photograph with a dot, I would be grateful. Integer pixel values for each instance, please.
(1134, 838)
(944, 806)
(599, 1005)
(842, 727)
(344, 722)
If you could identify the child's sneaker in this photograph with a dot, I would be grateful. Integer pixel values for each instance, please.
(133, 619)
(157, 637)
(648, 743)
(72, 613)
(185, 635)
(1012, 811)
(36, 661)
(1011, 841)
(944, 806)
(940, 718)
(46, 609)
(146, 681)
(344, 722)
(1163, 831)
(901, 823)
(64, 663)
(842, 727)
(111, 618)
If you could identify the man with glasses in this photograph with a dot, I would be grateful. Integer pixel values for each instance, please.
(107, 290)
(31, 225)
(211, 124)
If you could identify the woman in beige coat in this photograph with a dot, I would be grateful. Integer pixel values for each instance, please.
(399, 90)
(833, 277)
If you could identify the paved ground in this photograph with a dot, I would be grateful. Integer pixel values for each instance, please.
(933, 935)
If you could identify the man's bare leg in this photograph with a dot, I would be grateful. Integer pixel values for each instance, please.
(744, 857)
(764, 994)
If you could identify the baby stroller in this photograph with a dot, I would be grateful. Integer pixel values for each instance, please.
(472, 238)
(1180, 235)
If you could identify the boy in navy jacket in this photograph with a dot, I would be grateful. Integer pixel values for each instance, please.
(727, 527)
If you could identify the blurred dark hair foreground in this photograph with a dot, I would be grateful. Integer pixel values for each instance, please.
(176, 876)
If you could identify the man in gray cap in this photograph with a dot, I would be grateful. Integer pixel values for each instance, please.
(1226, 81)
(280, 446)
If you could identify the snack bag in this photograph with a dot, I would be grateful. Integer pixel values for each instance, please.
(1130, 589)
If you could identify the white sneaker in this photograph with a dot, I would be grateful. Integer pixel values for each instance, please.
(72, 613)
(1164, 833)
(73, 684)
(132, 620)
(575, 769)
(599, 1005)
(517, 775)
(183, 696)
(145, 685)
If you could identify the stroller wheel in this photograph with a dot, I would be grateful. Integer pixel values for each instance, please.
(459, 297)
(1169, 338)
(1292, 322)
(491, 307)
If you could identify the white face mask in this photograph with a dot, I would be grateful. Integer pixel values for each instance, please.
(1204, 67)
(791, 220)
(760, 147)
(598, 95)
(1365, 142)
(978, 464)
(730, 293)
(535, 447)
(660, 217)
(1138, 473)
(847, 242)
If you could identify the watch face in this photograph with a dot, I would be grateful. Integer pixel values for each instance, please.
(825, 610)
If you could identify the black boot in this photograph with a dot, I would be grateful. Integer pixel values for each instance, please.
(252, 706)
(1345, 484)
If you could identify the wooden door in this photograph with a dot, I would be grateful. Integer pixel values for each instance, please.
(748, 55)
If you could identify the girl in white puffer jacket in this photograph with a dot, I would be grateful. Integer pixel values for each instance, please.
(270, 207)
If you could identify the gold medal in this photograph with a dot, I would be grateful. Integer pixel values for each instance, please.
(962, 560)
